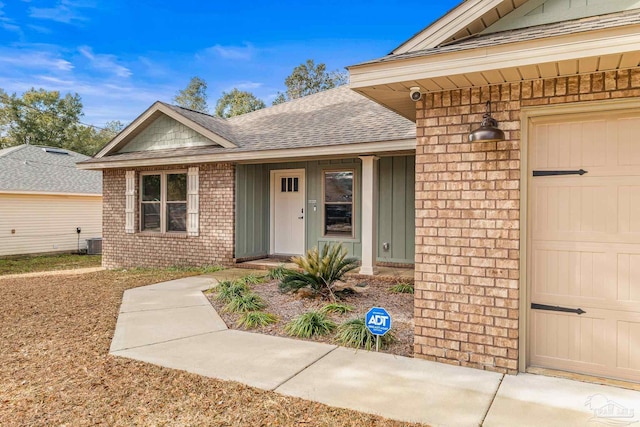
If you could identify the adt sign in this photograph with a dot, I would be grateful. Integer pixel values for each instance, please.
(378, 321)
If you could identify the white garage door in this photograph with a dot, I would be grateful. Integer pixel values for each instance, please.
(584, 244)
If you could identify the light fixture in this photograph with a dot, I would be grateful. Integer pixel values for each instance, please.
(488, 130)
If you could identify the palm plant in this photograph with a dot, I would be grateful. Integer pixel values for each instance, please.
(320, 270)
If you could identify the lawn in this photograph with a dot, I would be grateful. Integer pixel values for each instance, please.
(29, 264)
(55, 368)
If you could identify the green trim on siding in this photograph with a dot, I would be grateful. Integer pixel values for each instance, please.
(396, 209)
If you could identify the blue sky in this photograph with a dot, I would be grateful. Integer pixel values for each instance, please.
(122, 55)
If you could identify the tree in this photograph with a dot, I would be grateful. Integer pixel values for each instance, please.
(194, 96)
(237, 102)
(39, 117)
(308, 78)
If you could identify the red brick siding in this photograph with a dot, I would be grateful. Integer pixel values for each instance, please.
(214, 245)
(468, 217)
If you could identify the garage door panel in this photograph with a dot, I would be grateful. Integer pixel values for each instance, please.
(628, 148)
(584, 244)
(628, 277)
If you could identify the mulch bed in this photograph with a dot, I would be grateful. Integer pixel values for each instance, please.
(55, 368)
(376, 294)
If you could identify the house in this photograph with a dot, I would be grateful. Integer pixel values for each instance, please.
(46, 203)
(186, 188)
(528, 245)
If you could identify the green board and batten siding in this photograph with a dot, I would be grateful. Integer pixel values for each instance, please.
(396, 209)
(396, 221)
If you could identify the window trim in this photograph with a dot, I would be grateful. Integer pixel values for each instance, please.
(163, 202)
(353, 205)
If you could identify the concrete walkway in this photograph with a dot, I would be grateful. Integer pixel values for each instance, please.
(173, 325)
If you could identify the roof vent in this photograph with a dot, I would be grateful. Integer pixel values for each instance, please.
(55, 151)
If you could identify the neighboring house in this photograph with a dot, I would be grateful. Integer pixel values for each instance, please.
(44, 199)
(186, 188)
(508, 231)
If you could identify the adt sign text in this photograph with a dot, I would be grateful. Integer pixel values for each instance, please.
(378, 321)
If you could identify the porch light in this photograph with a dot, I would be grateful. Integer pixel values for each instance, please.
(488, 130)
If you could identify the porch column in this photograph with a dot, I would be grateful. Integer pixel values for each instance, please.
(369, 214)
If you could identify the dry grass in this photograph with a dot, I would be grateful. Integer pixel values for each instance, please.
(28, 264)
(55, 369)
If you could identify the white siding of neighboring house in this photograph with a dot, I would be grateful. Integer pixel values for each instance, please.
(47, 223)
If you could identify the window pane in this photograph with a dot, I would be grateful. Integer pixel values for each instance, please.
(295, 185)
(177, 217)
(177, 187)
(337, 220)
(151, 188)
(283, 185)
(289, 184)
(338, 186)
(151, 216)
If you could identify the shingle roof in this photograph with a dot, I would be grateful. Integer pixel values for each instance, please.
(31, 168)
(612, 20)
(334, 117)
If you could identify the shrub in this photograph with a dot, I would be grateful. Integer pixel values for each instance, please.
(228, 290)
(354, 333)
(277, 272)
(336, 307)
(402, 288)
(245, 302)
(309, 324)
(252, 279)
(320, 271)
(255, 319)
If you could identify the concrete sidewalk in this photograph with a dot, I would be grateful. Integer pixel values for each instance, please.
(172, 324)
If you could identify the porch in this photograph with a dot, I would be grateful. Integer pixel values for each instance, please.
(399, 272)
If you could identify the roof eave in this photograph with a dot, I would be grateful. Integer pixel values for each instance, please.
(265, 156)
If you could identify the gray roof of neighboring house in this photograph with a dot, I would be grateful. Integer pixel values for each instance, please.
(31, 168)
(612, 20)
(333, 117)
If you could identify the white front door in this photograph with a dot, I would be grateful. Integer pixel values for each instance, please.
(288, 215)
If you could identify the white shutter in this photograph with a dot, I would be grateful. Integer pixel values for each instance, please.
(130, 208)
(193, 202)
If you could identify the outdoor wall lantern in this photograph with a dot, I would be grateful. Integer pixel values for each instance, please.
(488, 130)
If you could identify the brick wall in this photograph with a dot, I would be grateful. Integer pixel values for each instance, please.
(468, 218)
(214, 245)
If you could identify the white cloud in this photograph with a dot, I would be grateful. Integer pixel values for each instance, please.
(248, 85)
(7, 23)
(105, 62)
(34, 60)
(65, 11)
(245, 52)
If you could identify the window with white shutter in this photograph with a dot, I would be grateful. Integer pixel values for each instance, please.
(193, 202)
(130, 195)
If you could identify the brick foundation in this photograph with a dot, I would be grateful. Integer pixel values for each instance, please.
(214, 245)
(468, 216)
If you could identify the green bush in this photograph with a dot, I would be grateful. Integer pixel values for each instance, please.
(320, 270)
(336, 307)
(255, 319)
(228, 290)
(245, 302)
(354, 333)
(403, 288)
(252, 279)
(309, 324)
(277, 272)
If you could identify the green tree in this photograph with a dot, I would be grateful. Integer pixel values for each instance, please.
(308, 78)
(237, 102)
(41, 117)
(38, 117)
(194, 96)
